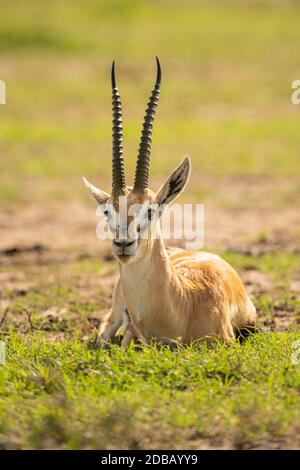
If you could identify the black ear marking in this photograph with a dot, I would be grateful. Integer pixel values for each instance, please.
(175, 183)
(175, 186)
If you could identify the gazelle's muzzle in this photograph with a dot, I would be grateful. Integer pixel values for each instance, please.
(121, 247)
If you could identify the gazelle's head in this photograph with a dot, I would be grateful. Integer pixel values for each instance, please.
(133, 212)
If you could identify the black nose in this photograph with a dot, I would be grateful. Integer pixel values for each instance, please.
(123, 243)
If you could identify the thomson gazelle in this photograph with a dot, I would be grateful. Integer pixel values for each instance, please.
(160, 294)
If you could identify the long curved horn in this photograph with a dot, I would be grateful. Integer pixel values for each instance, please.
(118, 173)
(143, 159)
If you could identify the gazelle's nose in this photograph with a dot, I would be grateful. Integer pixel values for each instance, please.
(123, 243)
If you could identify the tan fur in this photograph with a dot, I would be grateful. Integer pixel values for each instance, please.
(180, 296)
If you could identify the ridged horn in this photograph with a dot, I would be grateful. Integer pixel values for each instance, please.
(118, 173)
(142, 166)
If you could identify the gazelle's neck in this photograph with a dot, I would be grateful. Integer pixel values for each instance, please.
(155, 264)
(146, 284)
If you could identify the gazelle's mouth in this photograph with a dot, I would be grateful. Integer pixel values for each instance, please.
(124, 258)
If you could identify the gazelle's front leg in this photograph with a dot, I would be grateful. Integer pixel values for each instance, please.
(114, 319)
(131, 332)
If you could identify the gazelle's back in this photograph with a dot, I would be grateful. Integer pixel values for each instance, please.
(213, 294)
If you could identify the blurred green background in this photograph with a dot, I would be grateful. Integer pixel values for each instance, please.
(225, 100)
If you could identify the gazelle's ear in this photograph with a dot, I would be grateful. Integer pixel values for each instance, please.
(175, 184)
(100, 196)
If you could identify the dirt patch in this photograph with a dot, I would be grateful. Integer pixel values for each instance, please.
(257, 282)
(17, 250)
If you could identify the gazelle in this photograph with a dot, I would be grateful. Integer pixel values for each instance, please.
(160, 295)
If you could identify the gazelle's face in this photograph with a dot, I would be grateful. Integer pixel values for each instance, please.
(133, 216)
(133, 223)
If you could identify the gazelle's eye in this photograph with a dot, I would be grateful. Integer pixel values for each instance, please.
(138, 228)
(149, 214)
(107, 214)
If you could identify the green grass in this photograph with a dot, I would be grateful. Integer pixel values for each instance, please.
(66, 395)
(58, 391)
(284, 266)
